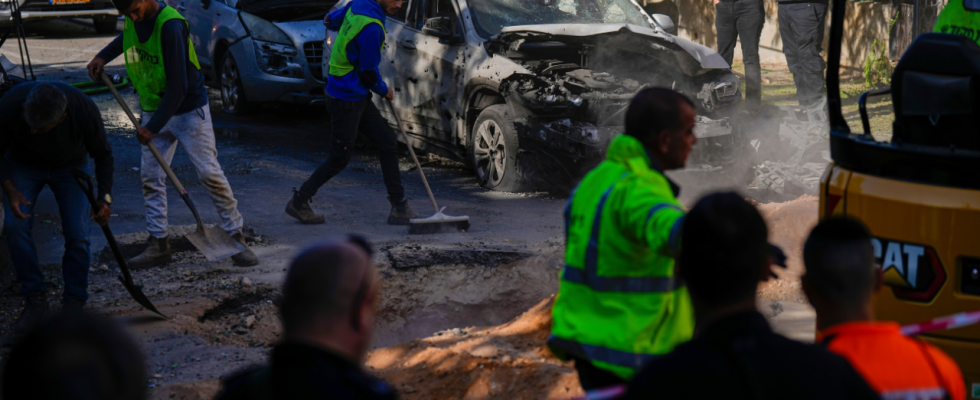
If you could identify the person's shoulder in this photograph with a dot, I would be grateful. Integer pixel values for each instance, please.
(241, 385)
(371, 387)
(945, 363)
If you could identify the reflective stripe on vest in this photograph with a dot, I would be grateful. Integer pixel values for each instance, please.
(588, 275)
(351, 27)
(599, 353)
(144, 60)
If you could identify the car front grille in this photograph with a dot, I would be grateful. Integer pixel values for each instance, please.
(314, 58)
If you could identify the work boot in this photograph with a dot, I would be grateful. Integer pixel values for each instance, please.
(300, 209)
(401, 213)
(246, 258)
(73, 306)
(35, 309)
(157, 252)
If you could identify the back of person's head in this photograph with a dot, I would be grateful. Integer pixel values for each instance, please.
(724, 250)
(653, 111)
(327, 286)
(45, 105)
(75, 356)
(839, 261)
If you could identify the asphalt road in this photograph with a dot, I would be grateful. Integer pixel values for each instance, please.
(265, 155)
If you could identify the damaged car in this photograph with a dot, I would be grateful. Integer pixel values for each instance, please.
(531, 92)
(258, 51)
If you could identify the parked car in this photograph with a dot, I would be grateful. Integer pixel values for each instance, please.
(259, 50)
(104, 15)
(530, 92)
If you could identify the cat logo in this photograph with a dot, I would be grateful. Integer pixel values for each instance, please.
(913, 271)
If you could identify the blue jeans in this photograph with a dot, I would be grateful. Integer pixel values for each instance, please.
(74, 208)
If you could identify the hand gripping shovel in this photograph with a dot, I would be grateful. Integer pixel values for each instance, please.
(136, 291)
(213, 242)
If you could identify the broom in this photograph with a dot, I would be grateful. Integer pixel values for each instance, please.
(438, 222)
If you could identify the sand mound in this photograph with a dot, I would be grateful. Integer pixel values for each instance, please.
(508, 361)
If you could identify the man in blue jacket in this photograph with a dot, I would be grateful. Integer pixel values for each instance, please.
(353, 76)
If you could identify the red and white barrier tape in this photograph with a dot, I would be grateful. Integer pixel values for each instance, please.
(942, 323)
(606, 393)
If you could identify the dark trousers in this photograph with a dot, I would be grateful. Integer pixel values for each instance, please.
(346, 118)
(801, 26)
(74, 209)
(593, 378)
(742, 19)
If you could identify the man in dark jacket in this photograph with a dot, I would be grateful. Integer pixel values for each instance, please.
(801, 26)
(742, 19)
(49, 130)
(353, 76)
(734, 353)
(328, 310)
(162, 63)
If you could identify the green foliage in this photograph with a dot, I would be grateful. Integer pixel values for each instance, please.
(877, 66)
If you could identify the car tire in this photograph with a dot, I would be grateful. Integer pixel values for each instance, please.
(104, 26)
(233, 97)
(493, 150)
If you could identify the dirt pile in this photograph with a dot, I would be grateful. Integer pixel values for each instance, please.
(508, 361)
(789, 224)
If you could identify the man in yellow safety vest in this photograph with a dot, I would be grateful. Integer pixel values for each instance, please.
(620, 302)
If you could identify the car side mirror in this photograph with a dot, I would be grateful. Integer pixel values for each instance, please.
(440, 27)
(205, 4)
(666, 23)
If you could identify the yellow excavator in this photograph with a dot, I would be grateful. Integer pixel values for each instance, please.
(919, 193)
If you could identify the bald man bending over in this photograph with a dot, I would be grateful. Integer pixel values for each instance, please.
(328, 308)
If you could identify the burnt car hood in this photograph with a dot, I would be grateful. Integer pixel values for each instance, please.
(693, 57)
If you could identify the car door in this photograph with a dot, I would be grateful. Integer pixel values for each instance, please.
(399, 55)
(199, 16)
(431, 71)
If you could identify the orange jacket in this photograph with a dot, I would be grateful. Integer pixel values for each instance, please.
(893, 364)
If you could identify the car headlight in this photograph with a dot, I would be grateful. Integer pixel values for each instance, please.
(263, 30)
(277, 59)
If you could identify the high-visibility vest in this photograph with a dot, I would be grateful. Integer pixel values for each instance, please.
(957, 20)
(144, 60)
(620, 303)
(352, 26)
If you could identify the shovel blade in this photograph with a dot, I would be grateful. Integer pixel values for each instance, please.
(136, 292)
(214, 243)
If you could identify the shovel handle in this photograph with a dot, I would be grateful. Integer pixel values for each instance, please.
(156, 153)
(153, 148)
(85, 181)
(412, 152)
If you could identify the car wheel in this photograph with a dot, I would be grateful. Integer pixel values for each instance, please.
(493, 150)
(104, 26)
(232, 93)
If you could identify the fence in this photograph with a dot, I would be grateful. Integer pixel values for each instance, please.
(910, 19)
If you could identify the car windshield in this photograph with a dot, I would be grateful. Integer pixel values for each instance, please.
(493, 15)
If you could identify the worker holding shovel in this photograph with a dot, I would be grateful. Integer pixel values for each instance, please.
(353, 76)
(49, 130)
(162, 64)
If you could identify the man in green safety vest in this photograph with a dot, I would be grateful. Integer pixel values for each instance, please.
(162, 64)
(960, 17)
(620, 302)
(354, 78)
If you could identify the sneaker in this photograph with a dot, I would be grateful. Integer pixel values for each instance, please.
(157, 252)
(301, 210)
(401, 213)
(246, 258)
